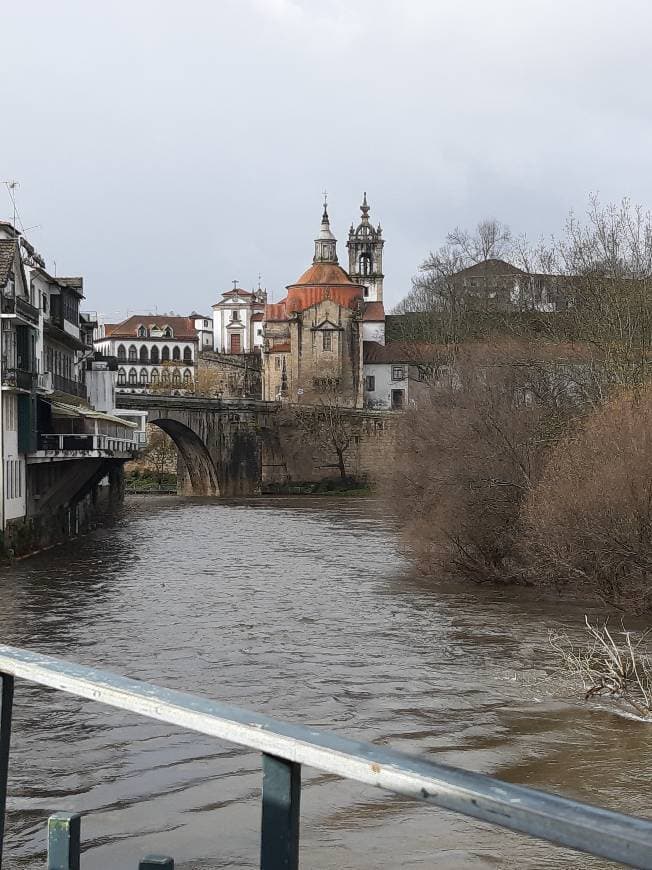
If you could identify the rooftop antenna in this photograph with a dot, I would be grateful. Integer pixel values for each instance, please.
(259, 277)
(11, 187)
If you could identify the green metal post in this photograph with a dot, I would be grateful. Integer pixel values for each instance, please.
(5, 739)
(279, 848)
(64, 841)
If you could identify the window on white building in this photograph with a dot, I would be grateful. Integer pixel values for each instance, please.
(133, 375)
(398, 373)
(122, 377)
(327, 340)
(370, 383)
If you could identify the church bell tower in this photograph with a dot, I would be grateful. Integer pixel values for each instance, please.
(365, 246)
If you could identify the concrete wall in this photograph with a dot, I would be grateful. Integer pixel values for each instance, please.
(62, 521)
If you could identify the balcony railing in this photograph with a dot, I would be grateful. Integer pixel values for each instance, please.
(68, 443)
(45, 382)
(286, 748)
(66, 385)
(18, 379)
(21, 307)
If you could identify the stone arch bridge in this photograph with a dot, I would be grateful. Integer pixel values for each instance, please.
(220, 442)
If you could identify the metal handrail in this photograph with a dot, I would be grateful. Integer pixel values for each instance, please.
(286, 747)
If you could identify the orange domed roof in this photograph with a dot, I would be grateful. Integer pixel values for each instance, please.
(325, 273)
(323, 281)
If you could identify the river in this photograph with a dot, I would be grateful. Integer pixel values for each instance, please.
(304, 609)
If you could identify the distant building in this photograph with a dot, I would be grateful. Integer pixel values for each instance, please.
(204, 330)
(393, 370)
(314, 337)
(497, 284)
(238, 321)
(153, 351)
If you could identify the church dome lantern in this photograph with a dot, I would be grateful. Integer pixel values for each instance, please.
(325, 243)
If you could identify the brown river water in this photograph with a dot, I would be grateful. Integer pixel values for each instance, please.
(304, 609)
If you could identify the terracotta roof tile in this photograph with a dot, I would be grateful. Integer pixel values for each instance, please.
(7, 252)
(182, 327)
(257, 316)
(374, 311)
(400, 352)
(276, 311)
(324, 273)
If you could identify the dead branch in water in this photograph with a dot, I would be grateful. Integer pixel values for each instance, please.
(608, 666)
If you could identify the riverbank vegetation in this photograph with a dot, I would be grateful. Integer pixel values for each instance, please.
(527, 457)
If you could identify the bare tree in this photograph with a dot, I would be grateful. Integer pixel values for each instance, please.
(490, 240)
(610, 664)
(160, 455)
(325, 425)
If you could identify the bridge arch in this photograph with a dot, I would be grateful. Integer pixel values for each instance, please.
(195, 455)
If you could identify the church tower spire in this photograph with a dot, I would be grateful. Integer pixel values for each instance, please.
(365, 246)
(325, 243)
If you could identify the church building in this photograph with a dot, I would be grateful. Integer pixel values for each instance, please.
(314, 338)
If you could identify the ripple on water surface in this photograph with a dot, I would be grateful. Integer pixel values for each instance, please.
(302, 608)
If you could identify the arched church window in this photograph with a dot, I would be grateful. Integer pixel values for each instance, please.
(167, 332)
(187, 378)
(176, 352)
(153, 356)
(144, 356)
(155, 376)
(133, 374)
(165, 376)
(142, 332)
(122, 377)
(143, 377)
(133, 353)
(364, 264)
(187, 354)
(176, 377)
(122, 353)
(165, 354)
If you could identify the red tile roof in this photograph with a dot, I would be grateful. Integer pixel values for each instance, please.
(257, 316)
(276, 311)
(400, 352)
(324, 273)
(182, 327)
(374, 311)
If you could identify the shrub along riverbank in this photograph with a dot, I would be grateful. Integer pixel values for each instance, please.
(528, 457)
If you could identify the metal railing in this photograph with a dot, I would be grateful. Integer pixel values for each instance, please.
(62, 442)
(285, 748)
(67, 385)
(18, 379)
(18, 305)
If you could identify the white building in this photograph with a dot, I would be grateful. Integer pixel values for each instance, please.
(238, 321)
(393, 371)
(154, 352)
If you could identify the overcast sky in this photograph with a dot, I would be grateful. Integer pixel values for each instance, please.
(164, 149)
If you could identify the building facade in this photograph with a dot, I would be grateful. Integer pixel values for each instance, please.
(238, 321)
(313, 338)
(154, 352)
